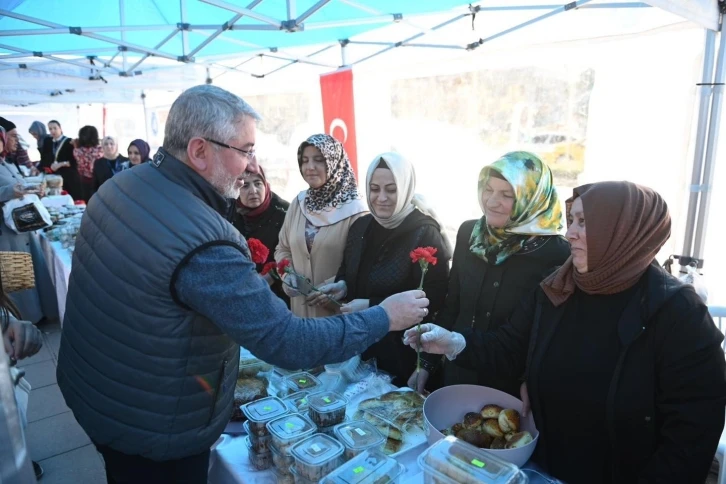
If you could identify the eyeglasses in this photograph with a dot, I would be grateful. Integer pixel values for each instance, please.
(250, 154)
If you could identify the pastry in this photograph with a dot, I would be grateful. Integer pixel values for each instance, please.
(475, 437)
(491, 427)
(498, 443)
(473, 420)
(519, 440)
(509, 420)
(490, 411)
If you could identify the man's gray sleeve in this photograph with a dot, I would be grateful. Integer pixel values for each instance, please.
(220, 283)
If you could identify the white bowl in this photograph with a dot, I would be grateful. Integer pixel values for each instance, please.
(447, 406)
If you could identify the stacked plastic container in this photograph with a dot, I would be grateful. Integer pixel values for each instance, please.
(315, 458)
(370, 467)
(285, 432)
(327, 409)
(357, 437)
(453, 461)
(259, 439)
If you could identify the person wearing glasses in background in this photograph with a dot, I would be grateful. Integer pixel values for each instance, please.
(316, 225)
(149, 353)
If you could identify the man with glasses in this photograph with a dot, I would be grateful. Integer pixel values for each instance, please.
(163, 290)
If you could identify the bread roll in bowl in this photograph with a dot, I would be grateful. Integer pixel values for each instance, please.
(498, 444)
(490, 411)
(509, 420)
(519, 440)
(473, 420)
(491, 427)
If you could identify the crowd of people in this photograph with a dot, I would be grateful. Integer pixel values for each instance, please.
(619, 363)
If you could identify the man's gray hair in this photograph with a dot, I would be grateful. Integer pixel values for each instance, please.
(204, 111)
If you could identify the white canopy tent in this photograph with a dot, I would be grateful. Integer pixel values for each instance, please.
(263, 55)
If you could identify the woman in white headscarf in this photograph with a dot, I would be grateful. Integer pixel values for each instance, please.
(376, 262)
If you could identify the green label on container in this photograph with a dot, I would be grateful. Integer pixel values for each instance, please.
(290, 425)
(303, 381)
(358, 470)
(326, 399)
(267, 408)
(478, 463)
(304, 401)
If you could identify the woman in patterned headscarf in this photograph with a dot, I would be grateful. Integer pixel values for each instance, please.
(316, 225)
(503, 255)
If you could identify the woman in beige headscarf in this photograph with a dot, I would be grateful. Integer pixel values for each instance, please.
(624, 366)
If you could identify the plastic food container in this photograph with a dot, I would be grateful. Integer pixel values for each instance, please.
(317, 456)
(281, 461)
(370, 467)
(327, 408)
(261, 411)
(297, 402)
(285, 477)
(299, 479)
(302, 381)
(357, 437)
(259, 461)
(260, 444)
(453, 461)
(288, 430)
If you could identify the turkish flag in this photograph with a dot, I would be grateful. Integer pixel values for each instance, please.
(338, 112)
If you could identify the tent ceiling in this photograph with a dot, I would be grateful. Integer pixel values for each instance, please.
(47, 49)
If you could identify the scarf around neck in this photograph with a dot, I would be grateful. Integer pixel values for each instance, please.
(536, 210)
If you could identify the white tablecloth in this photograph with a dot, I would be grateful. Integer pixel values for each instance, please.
(59, 265)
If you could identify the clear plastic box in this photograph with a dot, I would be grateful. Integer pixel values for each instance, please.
(453, 461)
(260, 444)
(327, 408)
(290, 429)
(261, 411)
(370, 467)
(281, 461)
(285, 477)
(302, 381)
(259, 461)
(299, 479)
(357, 437)
(298, 402)
(317, 456)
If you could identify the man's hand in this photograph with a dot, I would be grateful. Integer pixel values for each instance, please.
(22, 339)
(435, 340)
(355, 306)
(405, 309)
(335, 290)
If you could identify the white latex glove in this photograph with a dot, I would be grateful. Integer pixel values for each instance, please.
(435, 340)
(289, 280)
(423, 377)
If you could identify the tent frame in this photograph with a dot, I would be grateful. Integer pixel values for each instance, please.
(711, 89)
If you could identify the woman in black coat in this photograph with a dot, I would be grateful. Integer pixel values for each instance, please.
(623, 364)
(110, 164)
(501, 257)
(377, 263)
(259, 215)
(57, 157)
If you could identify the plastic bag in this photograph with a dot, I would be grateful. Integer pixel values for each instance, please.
(698, 282)
(26, 214)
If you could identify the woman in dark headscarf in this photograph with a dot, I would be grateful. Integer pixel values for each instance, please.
(37, 130)
(138, 152)
(623, 363)
(259, 215)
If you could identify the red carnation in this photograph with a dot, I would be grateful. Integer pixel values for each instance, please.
(270, 266)
(258, 251)
(283, 266)
(424, 254)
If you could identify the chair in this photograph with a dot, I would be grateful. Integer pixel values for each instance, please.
(718, 313)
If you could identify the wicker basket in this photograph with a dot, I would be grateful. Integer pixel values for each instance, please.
(17, 271)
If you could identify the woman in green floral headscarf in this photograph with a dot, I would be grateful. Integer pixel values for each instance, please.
(502, 256)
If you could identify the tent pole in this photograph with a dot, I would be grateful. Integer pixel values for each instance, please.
(700, 142)
(344, 54)
(709, 164)
(291, 10)
(122, 14)
(185, 34)
(146, 117)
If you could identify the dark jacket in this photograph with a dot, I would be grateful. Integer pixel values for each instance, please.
(71, 178)
(392, 272)
(103, 171)
(266, 229)
(482, 295)
(665, 405)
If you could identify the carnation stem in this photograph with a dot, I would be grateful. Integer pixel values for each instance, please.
(424, 269)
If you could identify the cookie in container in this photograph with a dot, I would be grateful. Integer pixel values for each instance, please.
(261, 461)
(358, 437)
(282, 462)
(327, 408)
(370, 467)
(261, 411)
(290, 429)
(260, 444)
(317, 456)
(302, 381)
